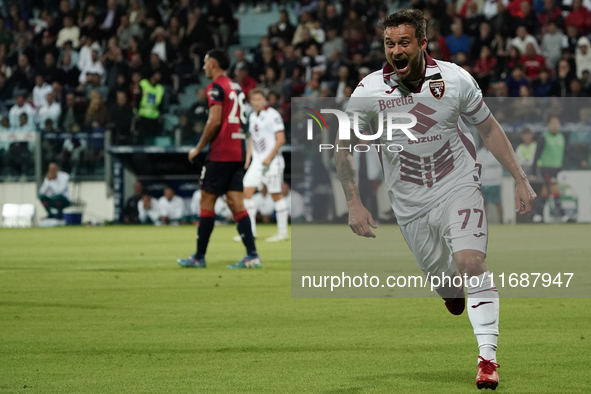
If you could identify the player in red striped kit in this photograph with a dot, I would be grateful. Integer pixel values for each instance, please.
(223, 170)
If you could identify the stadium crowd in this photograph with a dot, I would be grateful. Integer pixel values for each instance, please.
(122, 64)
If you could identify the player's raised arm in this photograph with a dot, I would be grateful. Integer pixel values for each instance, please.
(360, 218)
(494, 137)
(212, 127)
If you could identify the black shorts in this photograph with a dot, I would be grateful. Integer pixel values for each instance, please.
(549, 174)
(220, 177)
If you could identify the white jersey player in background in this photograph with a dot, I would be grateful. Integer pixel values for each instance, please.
(434, 182)
(264, 162)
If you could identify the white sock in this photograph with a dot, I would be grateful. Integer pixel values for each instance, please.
(281, 214)
(483, 311)
(251, 208)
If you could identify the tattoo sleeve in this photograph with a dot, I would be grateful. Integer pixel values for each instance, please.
(345, 165)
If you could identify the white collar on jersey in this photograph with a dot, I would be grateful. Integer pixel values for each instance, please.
(432, 72)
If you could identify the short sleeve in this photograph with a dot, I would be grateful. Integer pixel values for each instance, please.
(215, 94)
(277, 122)
(472, 106)
(360, 104)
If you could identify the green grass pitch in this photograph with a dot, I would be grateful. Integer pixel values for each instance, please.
(107, 310)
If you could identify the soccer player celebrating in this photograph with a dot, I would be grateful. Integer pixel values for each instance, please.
(267, 135)
(224, 167)
(433, 183)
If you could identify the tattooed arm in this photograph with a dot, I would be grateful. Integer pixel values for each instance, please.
(359, 218)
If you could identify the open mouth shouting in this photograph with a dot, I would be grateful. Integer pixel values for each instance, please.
(401, 65)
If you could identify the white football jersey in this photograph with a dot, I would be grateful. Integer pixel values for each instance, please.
(262, 128)
(443, 158)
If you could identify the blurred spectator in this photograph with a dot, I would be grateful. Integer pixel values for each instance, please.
(580, 17)
(40, 91)
(112, 18)
(571, 41)
(551, 14)
(515, 81)
(51, 148)
(542, 86)
(302, 31)
(136, 12)
(172, 207)
(130, 210)
(23, 75)
(576, 90)
(333, 43)
(160, 45)
(522, 39)
(550, 157)
(281, 30)
(484, 38)
(69, 74)
(526, 109)
(51, 110)
(156, 65)
(148, 108)
(94, 67)
(49, 69)
(457, 41)
(20, 107)
(69, 32)
(220, 17)
(526, 152)
(583, 56)
(241, 62)
(313, 62)
(586, 82)
(552, 43)
(343, 81)
(561, 84)
(270, 82)
(148, 211)
(126, 31)
(93, 84)
(25, 123)
(121, 119)
(484, 68)
(72, 117)
(96, 113)
(197, 35)
(332, 20)
(246, 82)
(54, 193)
(532, 62)
(474, 19)
(90, 28)
(526, 18)
(353, 23)
(88, 45)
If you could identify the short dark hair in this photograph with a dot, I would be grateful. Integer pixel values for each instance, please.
(413, 18)
(221, 57)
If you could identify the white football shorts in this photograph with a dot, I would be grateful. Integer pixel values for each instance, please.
(458, 223)
(258, 175)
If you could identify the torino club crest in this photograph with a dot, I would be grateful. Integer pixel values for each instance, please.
(437, 89)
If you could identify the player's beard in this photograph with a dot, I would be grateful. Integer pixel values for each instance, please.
(415, 66)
